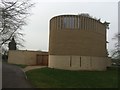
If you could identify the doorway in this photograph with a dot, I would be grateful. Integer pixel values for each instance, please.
(42, 60)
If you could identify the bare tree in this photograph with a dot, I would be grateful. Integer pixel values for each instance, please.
(116, 51)
(13, 14)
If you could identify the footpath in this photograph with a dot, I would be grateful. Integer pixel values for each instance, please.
(32, 67)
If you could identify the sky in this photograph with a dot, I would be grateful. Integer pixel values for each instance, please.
(37, 31)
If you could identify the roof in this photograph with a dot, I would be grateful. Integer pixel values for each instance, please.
(83, 15)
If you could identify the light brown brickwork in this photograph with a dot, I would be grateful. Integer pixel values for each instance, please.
(77, 42)
(89, 39)
(24, 57)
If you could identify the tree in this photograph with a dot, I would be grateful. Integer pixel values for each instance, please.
(13, 14)
(116, 51)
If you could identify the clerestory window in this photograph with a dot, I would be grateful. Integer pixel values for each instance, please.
(68, 22)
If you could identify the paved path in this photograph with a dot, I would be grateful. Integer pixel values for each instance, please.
(32, 67)
(13, 77)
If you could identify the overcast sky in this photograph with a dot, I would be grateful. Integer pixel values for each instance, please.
(37, 31)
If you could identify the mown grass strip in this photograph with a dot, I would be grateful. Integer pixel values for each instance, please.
(55, 78)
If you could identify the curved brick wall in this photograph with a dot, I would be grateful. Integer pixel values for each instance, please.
(80, 36)
(84, 36)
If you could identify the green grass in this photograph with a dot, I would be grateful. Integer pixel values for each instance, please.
(55, 78)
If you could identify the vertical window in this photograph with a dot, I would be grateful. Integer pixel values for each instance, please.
(84, 23)
(78, 22)
(93, 24)
(62, 23)
(71, 21)
(58, 20)
(68, 22)
(65, 22)
(57, 23)
(88, 24)
(81, 23)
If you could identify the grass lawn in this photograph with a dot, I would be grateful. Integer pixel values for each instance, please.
(55, 78)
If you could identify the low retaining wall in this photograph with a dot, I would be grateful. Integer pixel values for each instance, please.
(24, 57)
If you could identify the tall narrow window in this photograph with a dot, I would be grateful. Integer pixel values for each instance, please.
(75, 22)
(81, 23)
(68, 22)
(62, 23)
(71, 21)
(92, 24)
(65, 22)
(88, 24)
(84, 23)
(78, 22)
(58, 20)
(57, 23)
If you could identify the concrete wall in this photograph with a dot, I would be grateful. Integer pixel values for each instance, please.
(23, 57)
(78, 62)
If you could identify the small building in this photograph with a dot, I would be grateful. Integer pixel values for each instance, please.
(26, 57)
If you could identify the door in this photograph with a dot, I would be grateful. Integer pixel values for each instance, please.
(42, 60)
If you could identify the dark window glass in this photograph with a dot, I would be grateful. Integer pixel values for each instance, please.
(71, 21)
(68, 22)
